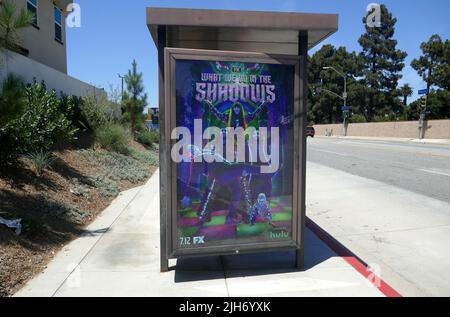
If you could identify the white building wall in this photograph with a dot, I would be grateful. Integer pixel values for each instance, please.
(29, 70)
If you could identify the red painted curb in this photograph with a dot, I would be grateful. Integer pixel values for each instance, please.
(351, 259)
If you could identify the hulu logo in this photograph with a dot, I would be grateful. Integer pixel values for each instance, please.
(276, 235)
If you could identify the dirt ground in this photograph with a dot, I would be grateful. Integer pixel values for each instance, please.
(52, 209)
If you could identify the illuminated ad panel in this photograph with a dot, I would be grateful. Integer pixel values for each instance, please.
(233, 148)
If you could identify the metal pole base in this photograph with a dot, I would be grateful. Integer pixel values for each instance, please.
(164, 265)
(299, 259)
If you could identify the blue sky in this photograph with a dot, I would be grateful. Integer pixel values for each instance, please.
(113, 33)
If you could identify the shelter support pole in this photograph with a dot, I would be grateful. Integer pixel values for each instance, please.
(164, 160)
(303, 53)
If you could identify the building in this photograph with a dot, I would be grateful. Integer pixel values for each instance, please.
(43, 51)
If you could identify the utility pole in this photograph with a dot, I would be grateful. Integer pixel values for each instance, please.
(345, 109)
(121, 77)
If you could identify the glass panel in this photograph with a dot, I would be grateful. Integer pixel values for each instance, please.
(33, 2)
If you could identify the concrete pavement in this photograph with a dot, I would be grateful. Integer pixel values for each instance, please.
(119, 256)
(405, 234)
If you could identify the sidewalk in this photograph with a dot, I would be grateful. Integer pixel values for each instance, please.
(404, 233)
(119, 256)
(423, 141)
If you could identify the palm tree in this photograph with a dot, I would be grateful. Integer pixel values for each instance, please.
(406, 91)
(11, 23)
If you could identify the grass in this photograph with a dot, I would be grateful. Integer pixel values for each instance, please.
(40, 161)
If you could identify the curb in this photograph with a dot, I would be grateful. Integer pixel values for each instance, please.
(352, 259)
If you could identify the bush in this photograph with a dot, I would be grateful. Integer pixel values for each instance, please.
(99, 111)
(113, 137)
(148, 138)
(41, 160)
(72, 108)
(40, 126)
(358, 118)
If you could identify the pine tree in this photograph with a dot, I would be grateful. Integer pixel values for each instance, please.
(434, 65)
(135, 99)
(383, 63)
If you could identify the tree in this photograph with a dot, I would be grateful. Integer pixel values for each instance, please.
(324, 106)
(433, 66)
(10, 25)
(406, 92)
(135, 99)
(382, 64)
(12, 100)
(437, 106)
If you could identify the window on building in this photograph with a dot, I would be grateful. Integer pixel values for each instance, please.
(58, 24)
(32, 6)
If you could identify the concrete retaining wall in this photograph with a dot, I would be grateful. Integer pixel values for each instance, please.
(437, 129)
(29, 69)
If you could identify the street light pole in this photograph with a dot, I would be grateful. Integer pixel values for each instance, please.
(121, 77)
(344, 96)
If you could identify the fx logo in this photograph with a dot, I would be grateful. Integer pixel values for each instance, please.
(73, 19)
(199, 240)
(373, 19)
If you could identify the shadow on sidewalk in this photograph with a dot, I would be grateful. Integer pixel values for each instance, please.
(258, 264)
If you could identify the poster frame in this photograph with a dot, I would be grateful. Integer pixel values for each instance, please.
(168, 215)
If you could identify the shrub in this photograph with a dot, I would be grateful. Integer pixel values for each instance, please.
(42, 124)
(113, 137)
(98, 111)
(72, 108)
(40, 160)
(358, 118)
(148, 138)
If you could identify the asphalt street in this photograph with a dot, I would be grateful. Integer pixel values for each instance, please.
(421, 168)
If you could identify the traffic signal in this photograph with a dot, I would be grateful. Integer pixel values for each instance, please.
(423, 101)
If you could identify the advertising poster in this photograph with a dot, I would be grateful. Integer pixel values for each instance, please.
(235, 142)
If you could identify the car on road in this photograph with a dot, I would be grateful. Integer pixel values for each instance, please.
(310, 131)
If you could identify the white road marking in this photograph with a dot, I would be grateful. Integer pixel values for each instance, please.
(434, 172)
(331, 152)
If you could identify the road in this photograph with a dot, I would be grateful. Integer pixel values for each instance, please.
(388, 202)
(421, 168)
